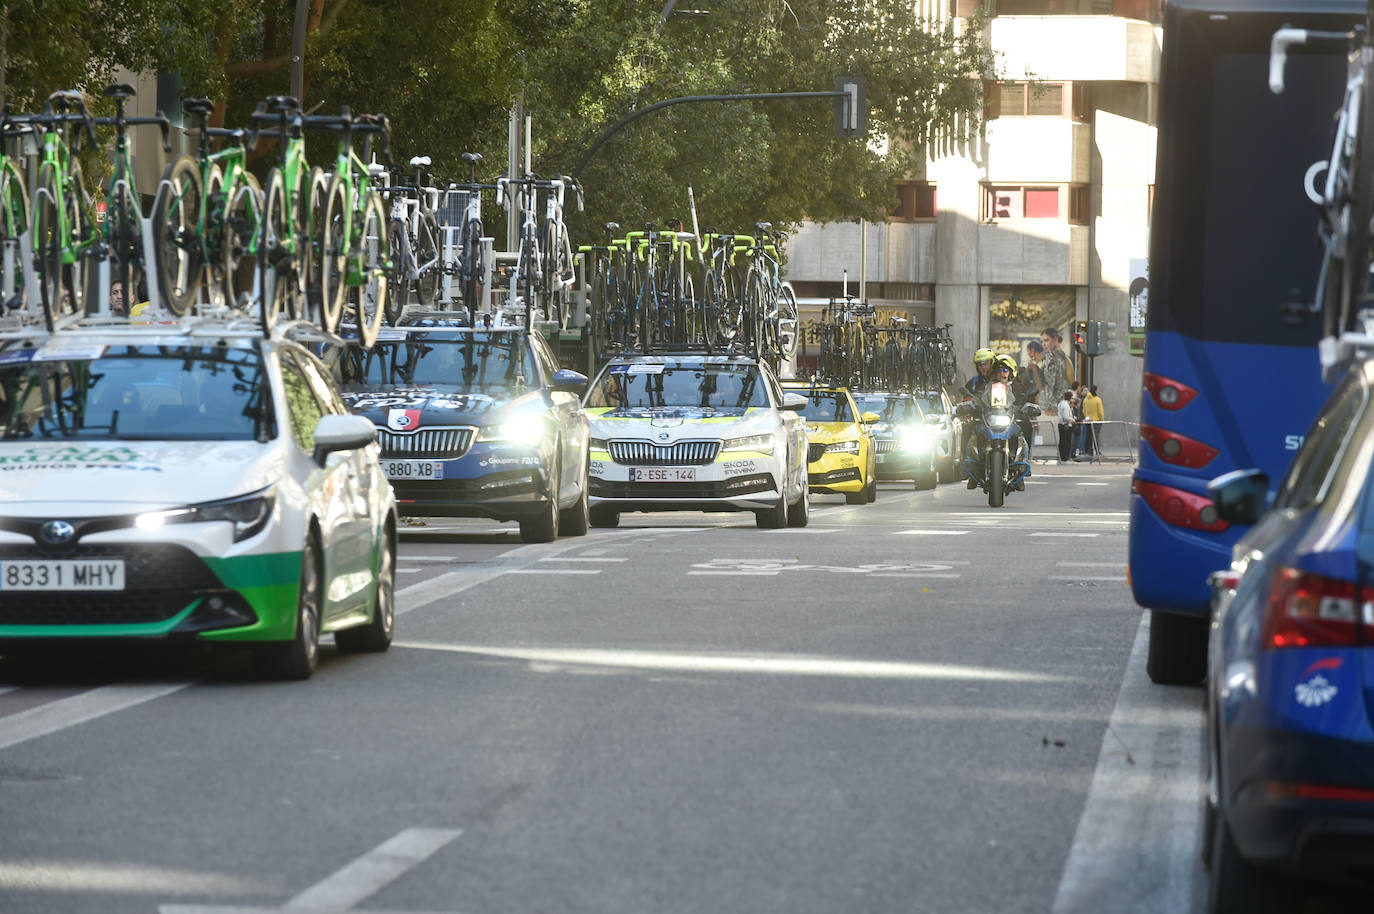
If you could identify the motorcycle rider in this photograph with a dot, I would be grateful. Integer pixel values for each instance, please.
(984, 361)
(999, 368)
(1005, 371)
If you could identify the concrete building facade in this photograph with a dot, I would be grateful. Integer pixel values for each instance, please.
(1045, 220)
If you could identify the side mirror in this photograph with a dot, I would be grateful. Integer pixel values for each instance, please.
(1240, 496)
(871, 418)
(794, 402)
(569, 380)
(1030, 410)
(342, 433)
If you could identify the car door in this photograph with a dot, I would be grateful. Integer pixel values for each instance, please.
(334, 493)
(795, 461)
(572, 425)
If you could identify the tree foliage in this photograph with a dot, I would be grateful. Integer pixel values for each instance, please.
(447, 72)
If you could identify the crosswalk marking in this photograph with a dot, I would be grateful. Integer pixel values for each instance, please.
(584, 558)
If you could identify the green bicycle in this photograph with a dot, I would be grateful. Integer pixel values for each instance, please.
(14, 210)
(62, 237)
(124, 207)
(208, 212)
(284, 251)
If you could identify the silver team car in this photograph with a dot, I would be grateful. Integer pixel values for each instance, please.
(695, 433)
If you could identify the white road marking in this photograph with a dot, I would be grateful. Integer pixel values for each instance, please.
(929, 532)
(555, 571)
(375, 869)
(773, 664)
(582, 558)
(409, 570)
(68, 712)
(736, 573)
(4, 689)
(340, 891)
(1090, 483)
(1068, 577)
(1135, 850)
(1063, 534)
(431, 558)
(1090, 564)
(916, 574)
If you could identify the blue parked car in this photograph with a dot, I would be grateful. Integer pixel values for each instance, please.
(1291, 672)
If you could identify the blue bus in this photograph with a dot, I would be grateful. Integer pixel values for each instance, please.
(1231, 374)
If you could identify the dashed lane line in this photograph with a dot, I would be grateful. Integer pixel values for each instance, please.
(1082, 577)
(78, 709)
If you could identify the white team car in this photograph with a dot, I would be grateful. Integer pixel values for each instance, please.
(156, 482)
(695, 433)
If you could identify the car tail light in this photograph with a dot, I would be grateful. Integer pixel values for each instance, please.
(1171, 447)
(1306, 791)
(1309, 610)
(1168, 393)
(1180, 508)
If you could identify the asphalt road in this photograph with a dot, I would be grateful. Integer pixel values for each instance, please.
(920, 705)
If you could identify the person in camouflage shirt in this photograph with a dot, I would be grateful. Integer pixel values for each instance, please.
(1055, 367)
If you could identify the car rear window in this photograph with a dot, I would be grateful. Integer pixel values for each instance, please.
(475, 361)
(646, 386)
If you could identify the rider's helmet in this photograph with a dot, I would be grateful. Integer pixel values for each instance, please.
(1007, 362)
(983, 355)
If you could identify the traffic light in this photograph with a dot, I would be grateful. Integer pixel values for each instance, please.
(1108, 336)
(851, 108)
(1096, 332)
(1080, 337)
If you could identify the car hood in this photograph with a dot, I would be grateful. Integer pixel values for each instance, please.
(408, 409)
(826, 432)
(84, 476)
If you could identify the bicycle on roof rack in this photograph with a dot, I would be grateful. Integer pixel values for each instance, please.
(15, 238)
(470, 265)
(413, 240)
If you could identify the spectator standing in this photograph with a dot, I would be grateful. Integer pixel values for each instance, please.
(1055, 368)
(1065, 427)
(1092, 412)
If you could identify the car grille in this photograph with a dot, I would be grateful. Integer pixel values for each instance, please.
(814, 452)
(685, 491)
(886, 445)
(431, 443)
(679, 454)
(159, 581)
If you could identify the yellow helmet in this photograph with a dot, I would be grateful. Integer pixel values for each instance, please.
(983, 355)
(1007, 362)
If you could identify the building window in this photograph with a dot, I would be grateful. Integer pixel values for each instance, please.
(1063, 202)
(915, 201)
(1036, 99)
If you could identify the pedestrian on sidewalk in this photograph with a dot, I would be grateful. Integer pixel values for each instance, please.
(1093, 413)
(1066, 427)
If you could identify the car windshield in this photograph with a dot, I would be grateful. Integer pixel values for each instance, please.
(931, 404)
(897, 410)
(701, 386)
(825, 406)
(472, 361)
(164, 393)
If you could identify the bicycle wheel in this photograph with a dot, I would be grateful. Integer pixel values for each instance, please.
(427, 259)
(47, 244)
(274, 269)
(398, 277)
(316, 217)
(125, 233)
(693, 323)
(176, 236)
(333, 253)
(14, 222)
(472, 268)
(754, 318)
(211, 237)
(368, 301)
(241, 244)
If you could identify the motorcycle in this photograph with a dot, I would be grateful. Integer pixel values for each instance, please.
(996, 458)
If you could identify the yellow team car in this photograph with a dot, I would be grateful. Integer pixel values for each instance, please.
(841, 457)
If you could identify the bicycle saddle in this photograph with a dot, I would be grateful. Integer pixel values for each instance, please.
(283, 103)
(120, 91)
(612, 227)
(198, 105)
(763, 226)
(419, 161)
(470, 157)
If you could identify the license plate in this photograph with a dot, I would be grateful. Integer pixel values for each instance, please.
(663, 474)
(413, 469)
(62, 574)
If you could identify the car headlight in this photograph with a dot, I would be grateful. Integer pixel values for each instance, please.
(916, 438)
(843, 447)
(761, 443)
(527, 430)
(248, 513)
(999, 421)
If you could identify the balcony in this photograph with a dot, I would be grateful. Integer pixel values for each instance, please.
(1086, 48)
(1033, 252)
(1044, 150)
